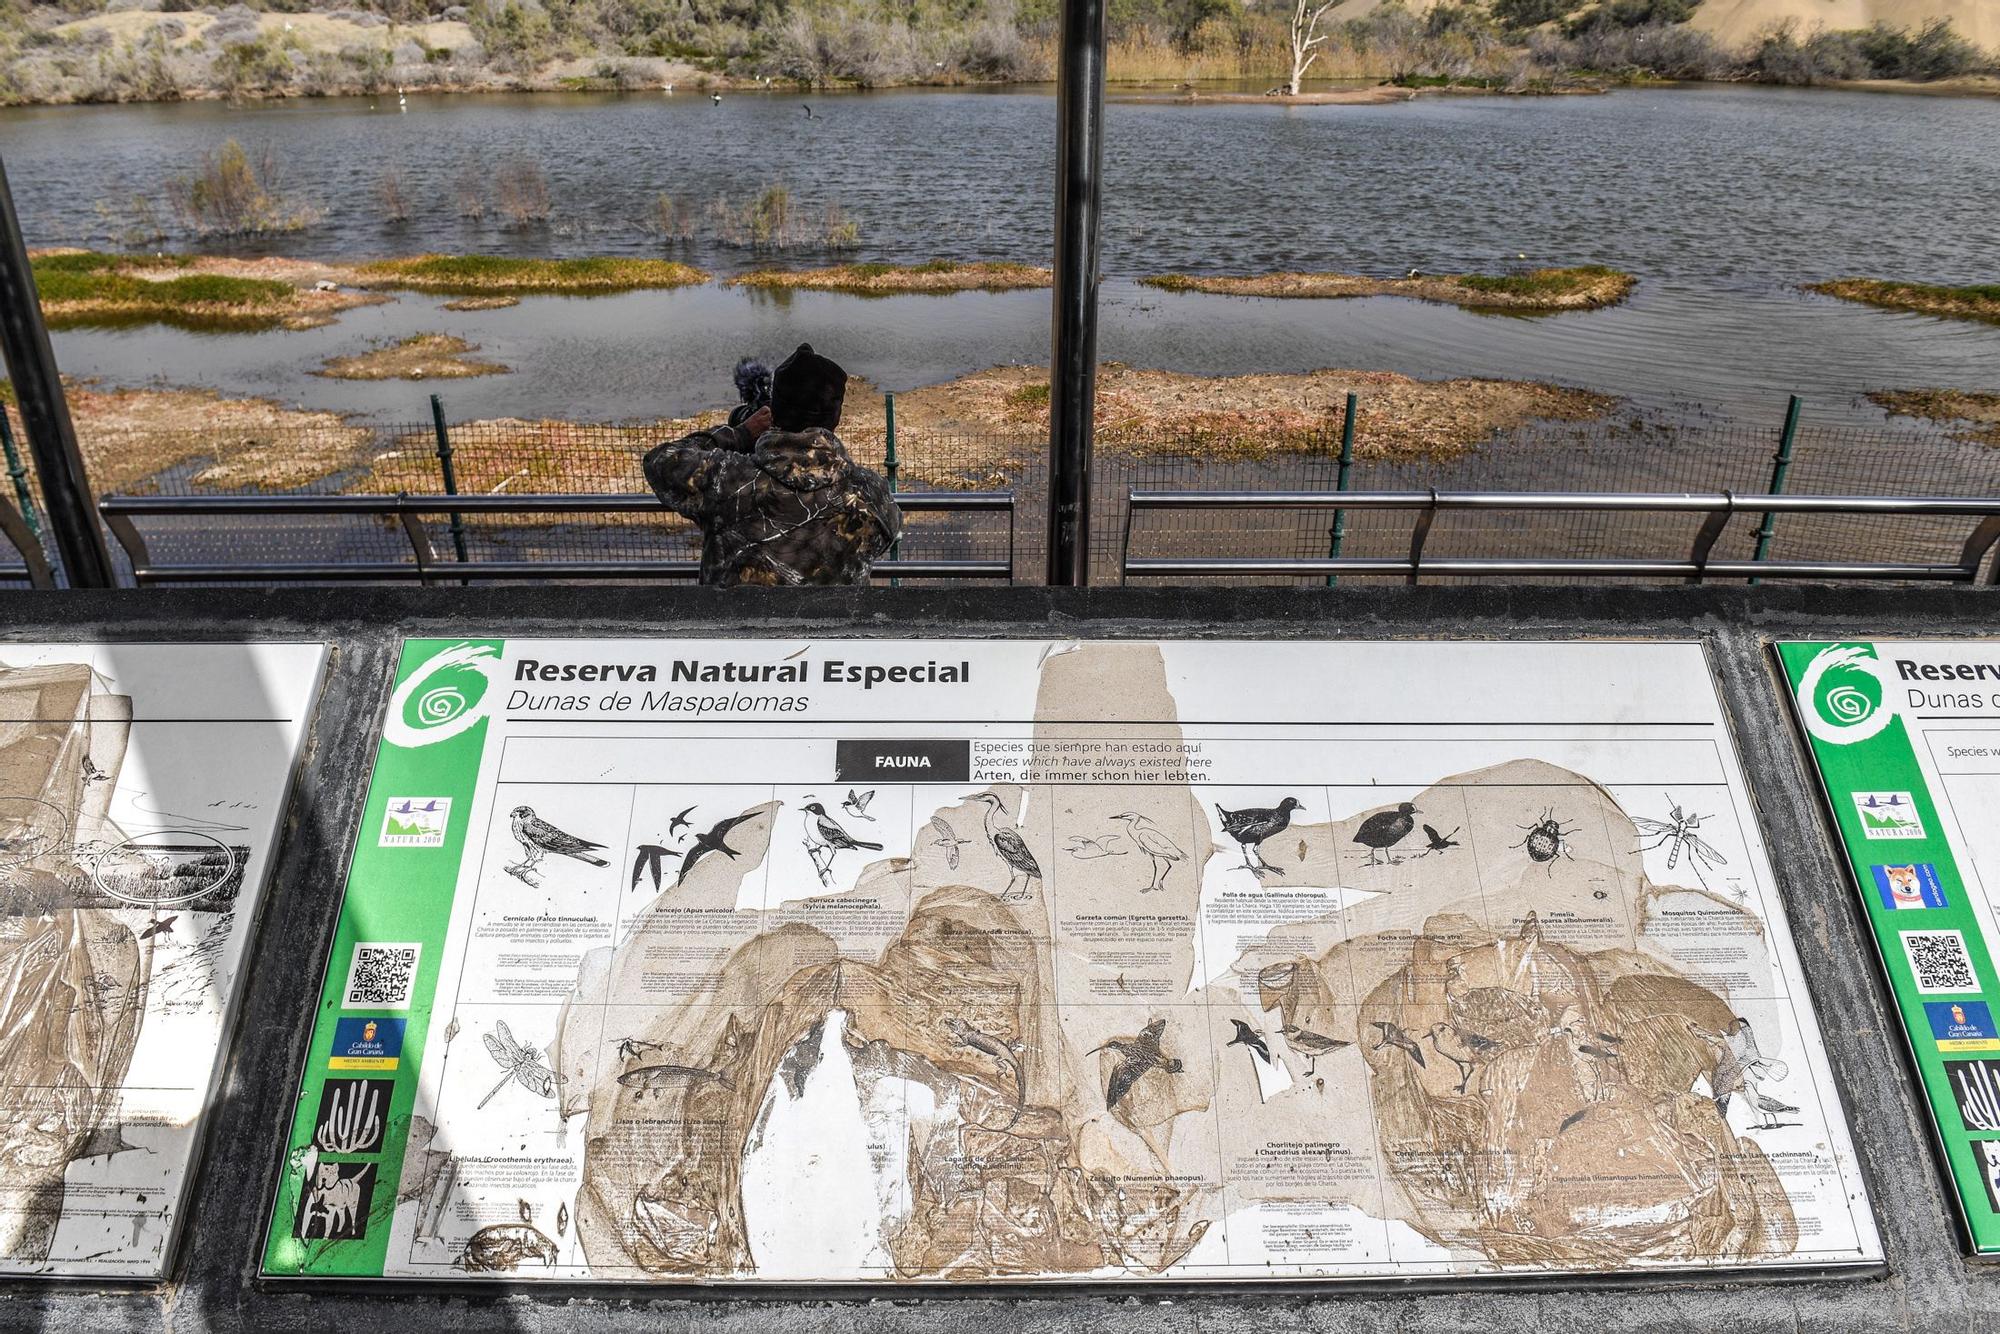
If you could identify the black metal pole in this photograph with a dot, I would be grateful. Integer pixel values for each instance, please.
(38, 394)
(1073, 369)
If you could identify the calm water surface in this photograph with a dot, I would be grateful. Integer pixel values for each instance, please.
(1721, 199)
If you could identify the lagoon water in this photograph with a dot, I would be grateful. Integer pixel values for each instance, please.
(1721, 199)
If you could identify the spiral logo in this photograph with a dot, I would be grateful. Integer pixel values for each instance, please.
(442, 698)
(1844, 695)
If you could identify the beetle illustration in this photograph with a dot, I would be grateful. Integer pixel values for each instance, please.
(1546, 839)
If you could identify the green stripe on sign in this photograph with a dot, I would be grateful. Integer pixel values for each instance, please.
(1887, 816)
(396, 910)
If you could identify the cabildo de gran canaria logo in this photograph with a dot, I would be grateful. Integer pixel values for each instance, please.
(1844, 695)
(443, 697)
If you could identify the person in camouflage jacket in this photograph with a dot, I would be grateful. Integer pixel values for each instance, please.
(783, 505)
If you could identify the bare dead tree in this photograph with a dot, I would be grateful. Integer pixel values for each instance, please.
(1306, 38)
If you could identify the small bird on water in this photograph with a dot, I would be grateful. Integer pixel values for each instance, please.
(1252, 825)
(1384, 830)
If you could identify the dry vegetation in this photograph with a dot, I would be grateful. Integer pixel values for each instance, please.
(424, 356)
(130, 435)
(1537, 290)
(937, 276)
(1979, 302)
(1969, 415)
(1243, 416)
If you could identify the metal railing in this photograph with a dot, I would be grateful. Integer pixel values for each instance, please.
(1718, 507)
(426, 567)
(24, 540)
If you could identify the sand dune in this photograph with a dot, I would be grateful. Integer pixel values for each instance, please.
(1739, 22)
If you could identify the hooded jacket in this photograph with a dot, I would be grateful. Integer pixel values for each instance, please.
(789, 508)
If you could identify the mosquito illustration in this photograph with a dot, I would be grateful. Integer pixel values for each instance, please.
(1677, 834)
(524, 1065)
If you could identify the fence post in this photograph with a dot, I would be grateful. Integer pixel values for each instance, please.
(1339, 532)
(1781, 463)
(19, 472)
(450, 474)
(889, 471)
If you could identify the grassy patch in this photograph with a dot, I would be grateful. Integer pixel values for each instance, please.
(934, 276)
(481, 275)
(1029, 396)
(1971, 416)
(82, 289)
(1980, 301)
(1585, 287)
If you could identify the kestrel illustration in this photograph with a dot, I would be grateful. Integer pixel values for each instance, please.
(538, 838)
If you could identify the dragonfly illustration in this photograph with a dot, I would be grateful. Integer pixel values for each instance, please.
(524, 1065)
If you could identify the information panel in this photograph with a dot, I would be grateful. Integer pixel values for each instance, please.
(901, 961)
(140, 790)
(1906, 736)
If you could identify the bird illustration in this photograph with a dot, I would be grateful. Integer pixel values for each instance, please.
(680, 822)
(538, 838)
(824, 838)
(1252, 825)
(93, 774)
(1462, 1049)
(1086, 849)
(163, 927)
(1013, 849)
(1394, 1036)
(1438, 842)
(1384, 830)
(1769, 1107)
(650, 857)
(856, 805)
(712, 841)
(1135, 1057)
(948, 839)
(630, 1049)
(1247, 1036)
(1155, 845)
(1312, 1045)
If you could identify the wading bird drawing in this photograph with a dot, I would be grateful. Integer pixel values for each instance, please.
(1438, 842)
(1135, 1057)
(1155, 845)
(1677, 834)
(1252, 825)
(524, 1065)
(1011, 847)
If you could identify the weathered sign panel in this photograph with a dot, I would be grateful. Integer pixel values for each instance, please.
(982, 961)
(1906, 738)
(141, 787)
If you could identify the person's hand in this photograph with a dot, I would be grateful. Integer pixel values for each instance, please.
(756, 423)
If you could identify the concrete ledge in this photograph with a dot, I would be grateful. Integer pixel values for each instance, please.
(1929, 1283)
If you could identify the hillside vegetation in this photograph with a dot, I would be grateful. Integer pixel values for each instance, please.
(125, 50)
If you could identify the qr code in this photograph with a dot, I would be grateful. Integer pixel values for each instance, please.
(381, 976)
(1938, 961)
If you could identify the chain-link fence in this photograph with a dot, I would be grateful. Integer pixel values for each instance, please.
(1605, 455)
